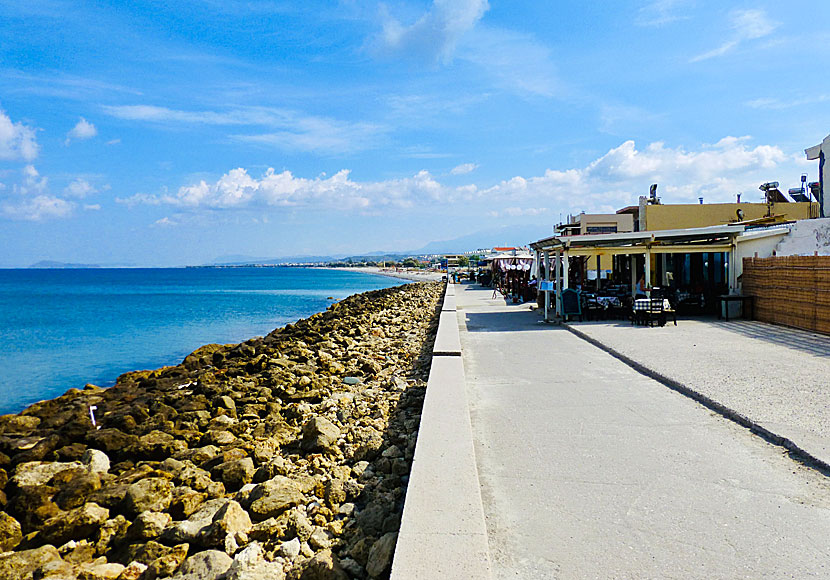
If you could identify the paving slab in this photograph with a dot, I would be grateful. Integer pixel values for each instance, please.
(589, 469)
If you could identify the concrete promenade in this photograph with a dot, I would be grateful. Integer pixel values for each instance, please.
(588, 469)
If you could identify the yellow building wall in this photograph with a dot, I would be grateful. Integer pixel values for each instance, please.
(678, 216)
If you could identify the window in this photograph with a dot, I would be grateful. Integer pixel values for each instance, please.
(601, 229)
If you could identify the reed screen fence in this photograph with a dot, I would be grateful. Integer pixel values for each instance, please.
(790, 290)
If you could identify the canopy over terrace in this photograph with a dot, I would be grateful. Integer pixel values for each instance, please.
(651, 245)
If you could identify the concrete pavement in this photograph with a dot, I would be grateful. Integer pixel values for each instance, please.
(588, 469)
(775, 377)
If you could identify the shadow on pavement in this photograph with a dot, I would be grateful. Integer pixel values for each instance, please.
(515, 320)
(800, 340)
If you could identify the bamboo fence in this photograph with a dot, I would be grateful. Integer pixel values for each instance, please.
(790, 290)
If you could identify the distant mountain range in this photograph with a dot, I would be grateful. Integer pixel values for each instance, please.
(51, 264)
(506, 236)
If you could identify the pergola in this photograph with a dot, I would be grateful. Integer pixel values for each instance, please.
(651, 244)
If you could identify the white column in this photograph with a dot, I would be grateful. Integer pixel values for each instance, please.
(547, 292)
(558, 281)
(647, 271)
(633, 262)
(663, 263)
(566, 266)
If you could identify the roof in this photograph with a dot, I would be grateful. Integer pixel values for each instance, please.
(679, 237)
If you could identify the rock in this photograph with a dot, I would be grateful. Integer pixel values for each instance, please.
(352, 380)
(75, 524)
(229, 520)
(324, 566)
(21, 565)
(195, 478)
(18, 424)
(111, 529)
(220, 437)
(335, 493)
(96, 461)
(185, 501)
(167, 564)
(250, 564)
(76, 485)
(273, 497)
(320, 434)
(39, 472)
(133, 572)
(370, 519)
(225, 402)
(289, 549)
(151, 494)
(380, 556)
(235, 474)
(77, 552)
(148, 526)
(56, 570)
(207, 565)
(100, 571)
(10, 533)
(319, 539)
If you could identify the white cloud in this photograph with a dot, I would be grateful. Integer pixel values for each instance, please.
(464, 168)
(32, 182)
(83, 129)
(434, 36)
(660, 12)
(775, 104)
(519, 212)
(165, 222)
(615, 179)
(30, 199)
(517, 62)
(37, 208)
(747, 25)
(17, 141)
(294, 131)
(92, 206)
(80, 188)
(113, 141)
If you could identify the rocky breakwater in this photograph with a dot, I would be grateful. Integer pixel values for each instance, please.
(281, 457)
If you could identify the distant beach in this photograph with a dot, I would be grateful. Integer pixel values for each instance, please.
(401, 274)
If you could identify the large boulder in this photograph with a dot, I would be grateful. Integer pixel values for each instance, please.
(21, 565)
(39, 472)
(148, 526)
(380, 556)
(10, 533)
(320, 434)
(96, 461)
(207, 565)
(250, 564)
(75, 524)
(324, 566)
(235, 474)
(151, 494)
(272, 497)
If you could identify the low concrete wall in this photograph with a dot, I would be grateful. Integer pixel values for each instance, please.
(443, 534)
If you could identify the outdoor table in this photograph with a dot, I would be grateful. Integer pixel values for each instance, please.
(742, 298)
(645, 304)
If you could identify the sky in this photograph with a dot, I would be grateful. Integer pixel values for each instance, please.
(160, 133)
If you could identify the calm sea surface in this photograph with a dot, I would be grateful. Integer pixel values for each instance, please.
(64, 328)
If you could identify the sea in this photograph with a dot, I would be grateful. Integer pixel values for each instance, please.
(64, 328)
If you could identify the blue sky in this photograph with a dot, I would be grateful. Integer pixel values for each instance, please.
(166, 133)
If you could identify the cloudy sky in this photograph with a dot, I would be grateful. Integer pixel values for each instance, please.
(164, 133)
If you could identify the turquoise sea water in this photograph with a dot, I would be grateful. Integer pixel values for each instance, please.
(64, 328)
